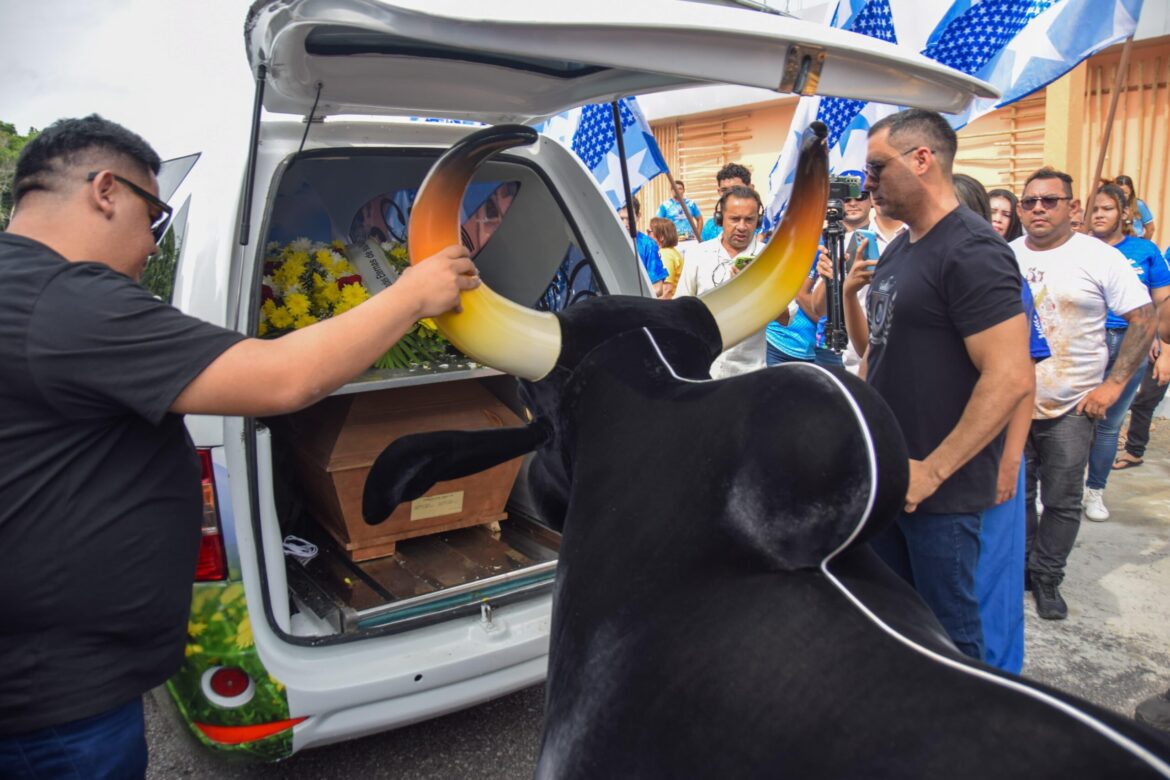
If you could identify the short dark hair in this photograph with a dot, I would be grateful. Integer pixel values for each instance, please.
(1048, 172)
(928, 127)
(664, 231)
(637, 208)
(972, 194)
(738, 191)
(70, 142)
(734, 171)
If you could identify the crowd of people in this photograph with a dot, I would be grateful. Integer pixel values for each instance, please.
(1009, 332)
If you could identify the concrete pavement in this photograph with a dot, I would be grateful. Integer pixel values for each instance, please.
(1114, 648)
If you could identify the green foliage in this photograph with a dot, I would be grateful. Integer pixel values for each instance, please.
(11, 143)
(159, 275)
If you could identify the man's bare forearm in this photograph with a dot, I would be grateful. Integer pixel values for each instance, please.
(1131, 355)
(996, 397)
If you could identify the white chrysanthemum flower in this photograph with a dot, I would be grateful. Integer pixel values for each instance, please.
(302, 245)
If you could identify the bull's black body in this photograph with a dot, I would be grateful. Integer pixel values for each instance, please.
(717, 612)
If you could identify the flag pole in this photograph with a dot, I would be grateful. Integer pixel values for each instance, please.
(1121, 68)
(621, 145)
(683, 205)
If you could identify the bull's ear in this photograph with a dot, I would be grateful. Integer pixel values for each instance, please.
(412, 464)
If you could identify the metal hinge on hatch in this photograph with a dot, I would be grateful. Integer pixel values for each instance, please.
(802, 70)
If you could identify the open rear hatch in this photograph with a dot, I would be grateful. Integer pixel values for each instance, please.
(522, 61)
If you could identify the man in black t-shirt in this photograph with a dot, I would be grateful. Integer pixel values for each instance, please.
(948, 351)
(100, 502)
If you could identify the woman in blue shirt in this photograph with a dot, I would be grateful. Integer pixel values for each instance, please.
(1107, 221)
(1140, 217)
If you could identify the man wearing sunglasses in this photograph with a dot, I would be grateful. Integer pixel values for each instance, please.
(1075, 281)
(948, 351)
(100, 501)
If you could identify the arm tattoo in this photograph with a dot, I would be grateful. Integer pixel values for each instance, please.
(1136, 343)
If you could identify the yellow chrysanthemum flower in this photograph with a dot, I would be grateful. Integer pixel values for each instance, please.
(244, 638)
(195, 628)
(304, 321)
(428, 323)
(263, 329)
(268, 307)
(297, 304)
(327, 296)
(276, 683)
(191, 650)
(338, 244)
(217, 617)
(231, 593)
(280, 318)
(353, 294)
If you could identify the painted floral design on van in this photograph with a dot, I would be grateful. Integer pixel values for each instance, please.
(219, 634)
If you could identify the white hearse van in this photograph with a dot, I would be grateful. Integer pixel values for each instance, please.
(289, 649)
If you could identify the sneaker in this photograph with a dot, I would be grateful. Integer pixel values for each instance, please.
(1049, 603)
(1095, 508)
(1155, 711)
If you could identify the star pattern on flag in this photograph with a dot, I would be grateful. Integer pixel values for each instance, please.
(977, 35)
(595, 135)
(875, 20)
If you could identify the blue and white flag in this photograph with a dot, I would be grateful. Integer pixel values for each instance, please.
(589, 132)
(1018, 46)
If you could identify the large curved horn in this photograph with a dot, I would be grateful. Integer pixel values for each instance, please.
(490, 329)
(762, 290)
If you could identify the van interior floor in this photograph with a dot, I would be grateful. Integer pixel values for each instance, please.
(349, 595)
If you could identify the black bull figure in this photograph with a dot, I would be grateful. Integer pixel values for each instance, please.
(717, 610)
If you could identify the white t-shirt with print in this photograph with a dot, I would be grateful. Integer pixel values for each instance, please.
(1074, 285)
(705, 267)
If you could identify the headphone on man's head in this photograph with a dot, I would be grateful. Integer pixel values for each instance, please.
(718, 215)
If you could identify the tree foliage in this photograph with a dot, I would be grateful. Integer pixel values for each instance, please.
(11, 142)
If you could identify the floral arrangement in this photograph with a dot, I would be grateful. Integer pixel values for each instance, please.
(306, 282)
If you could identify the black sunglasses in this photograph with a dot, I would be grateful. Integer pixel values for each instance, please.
(864, 196)
(1047, 201)
(873, 170)
(158, 227)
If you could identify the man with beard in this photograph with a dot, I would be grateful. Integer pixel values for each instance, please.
(713, 262)
(948, 351)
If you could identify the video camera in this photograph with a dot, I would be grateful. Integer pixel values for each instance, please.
(840, 188)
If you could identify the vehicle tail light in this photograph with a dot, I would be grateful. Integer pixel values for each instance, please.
(212, 564)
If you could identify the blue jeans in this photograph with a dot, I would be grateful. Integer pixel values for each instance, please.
(1104, 450)
(937, 554)
(1056, 453)
(109, 746)
(827, 358)
(774, 357)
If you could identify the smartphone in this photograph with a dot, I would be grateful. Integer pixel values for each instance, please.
(871, 251)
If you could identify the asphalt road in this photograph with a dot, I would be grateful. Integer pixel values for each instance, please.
(495, 741)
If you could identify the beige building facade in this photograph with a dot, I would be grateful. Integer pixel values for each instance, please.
(1062, 126)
